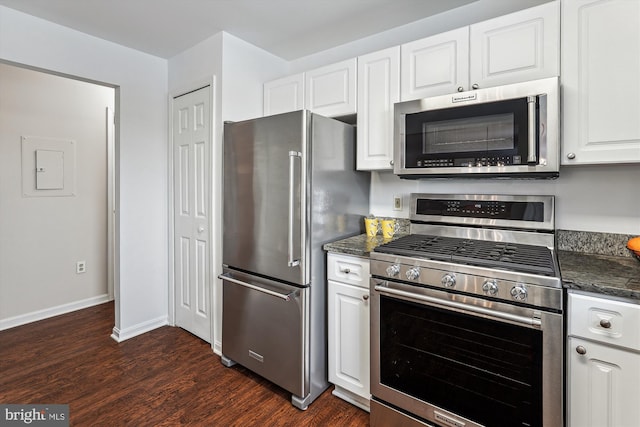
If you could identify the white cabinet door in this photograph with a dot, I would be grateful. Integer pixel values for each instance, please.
(331, 90)
(348, 320)
(284, 95)
(435, 65)
(604, 385)
(378, 90)
(600, 81)
(518, 47)
(514, 48)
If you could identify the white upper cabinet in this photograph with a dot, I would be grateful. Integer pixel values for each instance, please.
(600, 81)
(513, 48)
(331, 90)
(284, 95)
(435, 65)
(378, 90)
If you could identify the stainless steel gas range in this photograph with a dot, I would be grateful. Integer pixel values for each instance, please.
(466, 315)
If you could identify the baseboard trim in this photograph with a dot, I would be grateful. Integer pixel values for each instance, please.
(46, 313)
(217, 348)
(352, 398)
(121, 335)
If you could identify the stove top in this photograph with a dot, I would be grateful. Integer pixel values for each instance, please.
(516, 257)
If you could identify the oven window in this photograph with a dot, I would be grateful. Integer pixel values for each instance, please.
(472, 134)
(487, 371)
(465, 134)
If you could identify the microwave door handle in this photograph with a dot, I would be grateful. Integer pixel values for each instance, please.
(291, 261)
(532, 102)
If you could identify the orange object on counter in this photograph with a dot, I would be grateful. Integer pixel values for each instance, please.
(634, 246)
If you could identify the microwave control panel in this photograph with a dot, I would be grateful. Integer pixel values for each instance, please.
(470, 162)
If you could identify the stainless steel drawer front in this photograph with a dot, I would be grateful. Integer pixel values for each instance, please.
(263, 330)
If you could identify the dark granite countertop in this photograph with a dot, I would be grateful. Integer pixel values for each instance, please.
(601, 274)
(360, 245)
(608, 275)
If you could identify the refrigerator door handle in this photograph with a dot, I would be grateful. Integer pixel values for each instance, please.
(228, 278)
(291, 261)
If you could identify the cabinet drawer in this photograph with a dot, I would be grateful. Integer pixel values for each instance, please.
(601, 319)
(348, 269)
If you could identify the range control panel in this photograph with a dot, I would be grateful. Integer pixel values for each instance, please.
(508, 211)
(492, 209)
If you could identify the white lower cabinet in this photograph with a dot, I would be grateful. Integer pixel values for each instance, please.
(603, 358)
(348, 318)
(604, 385)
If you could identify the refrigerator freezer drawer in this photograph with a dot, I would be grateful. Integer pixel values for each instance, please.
(263, 329)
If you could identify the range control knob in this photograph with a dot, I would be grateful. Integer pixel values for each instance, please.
(448, 280)
(490, 287)
(393, 270)
(413, 273)
(519, 293)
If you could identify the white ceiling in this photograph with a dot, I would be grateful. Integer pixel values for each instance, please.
(287, 28)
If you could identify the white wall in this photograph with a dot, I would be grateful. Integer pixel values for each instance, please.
(588, 198)
(239, 70)
(245, 69)
(42, 237)
(141, 291)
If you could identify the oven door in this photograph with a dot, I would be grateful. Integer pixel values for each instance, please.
(473, 135)
(458, 360)
(508, 130)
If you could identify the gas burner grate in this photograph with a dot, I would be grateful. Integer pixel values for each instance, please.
(508, 256)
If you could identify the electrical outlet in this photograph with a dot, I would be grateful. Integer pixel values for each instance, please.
(397, 203)
(81, 267)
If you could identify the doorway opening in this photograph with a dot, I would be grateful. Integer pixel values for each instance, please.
(58, 181)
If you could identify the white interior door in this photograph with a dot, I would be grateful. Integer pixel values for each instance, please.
(191, 184)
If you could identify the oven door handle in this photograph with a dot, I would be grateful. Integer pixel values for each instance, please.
(458, 306)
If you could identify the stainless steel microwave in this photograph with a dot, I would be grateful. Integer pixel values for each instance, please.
(509, 131)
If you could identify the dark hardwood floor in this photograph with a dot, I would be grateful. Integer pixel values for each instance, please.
(166, 377)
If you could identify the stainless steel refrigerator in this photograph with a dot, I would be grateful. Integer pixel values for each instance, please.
(290, 186)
